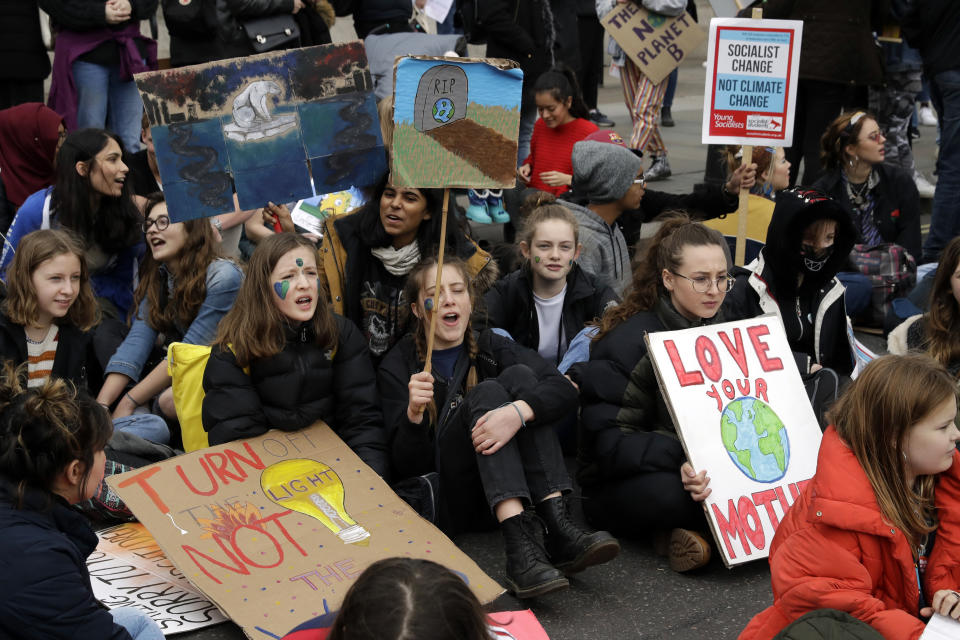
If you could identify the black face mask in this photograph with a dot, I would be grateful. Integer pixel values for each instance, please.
(814, 259)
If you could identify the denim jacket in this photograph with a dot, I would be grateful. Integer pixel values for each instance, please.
(223, 283)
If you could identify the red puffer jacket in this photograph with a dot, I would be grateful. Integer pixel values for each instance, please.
(834, 550)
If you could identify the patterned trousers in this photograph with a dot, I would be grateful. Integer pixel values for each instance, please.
(643, 99)
(893, 105)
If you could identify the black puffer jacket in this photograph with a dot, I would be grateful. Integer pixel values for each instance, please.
(412, 445)
(295, 388)
(510, 305)
(75, 359)
(838, 44)
(769, 283)
(897, 207)
(626, 428)
(21, 43)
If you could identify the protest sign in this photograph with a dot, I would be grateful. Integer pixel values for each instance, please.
(742, 414)
(129, 569)
(275, 529)
(751, 83)
(264, 125)
(657, 44)
(456, 122)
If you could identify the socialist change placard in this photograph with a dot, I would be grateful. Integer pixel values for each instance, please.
(751, 84)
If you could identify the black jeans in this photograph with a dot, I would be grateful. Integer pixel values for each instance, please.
(590, 72)
(529, 467)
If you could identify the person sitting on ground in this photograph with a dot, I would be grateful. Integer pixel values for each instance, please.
(562, 122)
(51, 457)
(430, 601)
(773, 171)
(633, 470)
(881, 200)
(30, 136)
(368, 254)
(874, 533)
(92, 198)
(608, 180)
(185, 290)
(483, 421)
(287, 361)
(549, 299)
(936, 332)
(47, 316)
(794, 276)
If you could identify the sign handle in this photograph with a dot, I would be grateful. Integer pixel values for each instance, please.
(427, 366)
(747, 151)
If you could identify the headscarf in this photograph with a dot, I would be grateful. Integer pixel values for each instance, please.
(28, 143)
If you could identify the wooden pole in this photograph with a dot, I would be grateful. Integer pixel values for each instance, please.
(428, 365)
(746, 159)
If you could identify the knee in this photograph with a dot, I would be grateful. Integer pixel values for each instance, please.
(165, 402)
(518, 377)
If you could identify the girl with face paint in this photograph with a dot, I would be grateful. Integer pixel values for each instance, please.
(808, 241)
(282, 359)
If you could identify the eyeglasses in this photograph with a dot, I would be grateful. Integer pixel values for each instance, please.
(640, 181)
(703, 284)
(876, 136)
(162, 223)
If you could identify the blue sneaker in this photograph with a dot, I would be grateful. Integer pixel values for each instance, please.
(477, 209)
(495, 206)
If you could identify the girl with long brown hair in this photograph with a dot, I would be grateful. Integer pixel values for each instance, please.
(937, 332)
(283, 360)
(481, 424)
(633, 472)
(874, 533)
(185, 289)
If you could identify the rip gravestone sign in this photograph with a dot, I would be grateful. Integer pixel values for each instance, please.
(441, 97)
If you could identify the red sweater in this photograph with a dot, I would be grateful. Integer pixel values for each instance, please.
(550, 150)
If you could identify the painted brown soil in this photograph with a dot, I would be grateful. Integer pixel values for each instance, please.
(481, 146)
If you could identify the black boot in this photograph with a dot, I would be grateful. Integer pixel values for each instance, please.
(529, 572)
(573, 548)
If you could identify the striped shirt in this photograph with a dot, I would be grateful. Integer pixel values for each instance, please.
(40, 357)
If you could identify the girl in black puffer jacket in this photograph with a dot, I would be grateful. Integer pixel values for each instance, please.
(288, 361)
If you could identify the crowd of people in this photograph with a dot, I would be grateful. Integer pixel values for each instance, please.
(538, 351)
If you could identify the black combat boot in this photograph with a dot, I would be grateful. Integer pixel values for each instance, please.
(571, 547)
(529, 572)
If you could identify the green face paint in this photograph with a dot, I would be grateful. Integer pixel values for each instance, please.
(282, 288)
(536, 258)
(299, 262)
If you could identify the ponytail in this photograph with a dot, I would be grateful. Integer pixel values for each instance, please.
(561, 83)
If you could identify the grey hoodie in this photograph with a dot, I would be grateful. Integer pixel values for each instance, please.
(605, 252)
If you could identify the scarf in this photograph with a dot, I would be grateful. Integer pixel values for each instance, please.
(398, 262)
(863, 201)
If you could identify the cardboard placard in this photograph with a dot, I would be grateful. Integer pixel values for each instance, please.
(129, 569)
(742, 414)
(275, 529)
(456, 122)
(751, 85)
(271, 126)
(657, 44)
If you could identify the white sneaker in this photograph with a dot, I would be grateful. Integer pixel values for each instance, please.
(923, 185)
(927, 116)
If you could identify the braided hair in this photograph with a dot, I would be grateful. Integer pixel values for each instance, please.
(416, 283)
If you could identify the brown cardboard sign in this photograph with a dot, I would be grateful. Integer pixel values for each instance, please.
(275, 529)
(657, 44)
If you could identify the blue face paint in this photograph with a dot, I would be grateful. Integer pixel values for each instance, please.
(570, 263)
(299, 262)
(282, 288)
(428, 304)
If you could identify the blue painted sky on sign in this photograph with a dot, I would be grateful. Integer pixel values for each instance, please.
(485, 82)
(749, 35)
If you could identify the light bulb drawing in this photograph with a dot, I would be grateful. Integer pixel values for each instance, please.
(313, 489)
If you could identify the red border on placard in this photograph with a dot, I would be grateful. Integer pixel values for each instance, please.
(786, 97)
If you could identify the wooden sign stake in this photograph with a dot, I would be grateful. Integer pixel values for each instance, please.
(741, 249)
(428, 365)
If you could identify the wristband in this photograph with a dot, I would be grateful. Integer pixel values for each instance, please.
(130, 398)
(523, 422)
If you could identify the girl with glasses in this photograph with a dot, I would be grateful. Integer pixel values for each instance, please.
(91, 197)
(185, 289)
(634, 473)
(881, 200)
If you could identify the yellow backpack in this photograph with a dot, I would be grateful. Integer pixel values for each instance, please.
(185, 366)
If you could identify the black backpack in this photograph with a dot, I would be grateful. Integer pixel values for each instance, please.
(187, 18)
